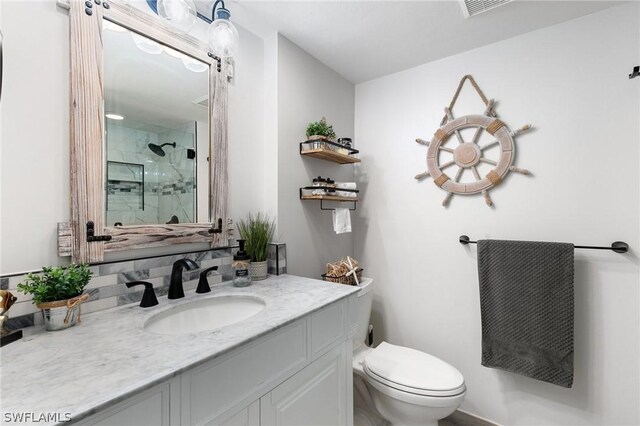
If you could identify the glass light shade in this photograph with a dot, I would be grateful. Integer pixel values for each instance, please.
(223, 38)
(194, 65)
(181, 15)
(146, 44)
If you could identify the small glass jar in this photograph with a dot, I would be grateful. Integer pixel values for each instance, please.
(319, 183)
(345, 142)
(241, 267)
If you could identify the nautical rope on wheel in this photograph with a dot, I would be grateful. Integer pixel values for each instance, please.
(467, 155)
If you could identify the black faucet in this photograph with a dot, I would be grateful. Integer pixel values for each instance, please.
(148, 297)
(203, 284)
(175, 285)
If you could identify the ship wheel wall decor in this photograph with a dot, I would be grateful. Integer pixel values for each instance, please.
(468, 155)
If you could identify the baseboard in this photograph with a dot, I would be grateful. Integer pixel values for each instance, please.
(462, 418)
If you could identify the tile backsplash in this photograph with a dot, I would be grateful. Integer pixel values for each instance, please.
(109, 279)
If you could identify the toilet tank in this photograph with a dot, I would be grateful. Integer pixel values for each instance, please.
(365, 298)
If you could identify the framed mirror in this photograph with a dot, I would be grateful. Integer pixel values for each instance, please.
(148, 135)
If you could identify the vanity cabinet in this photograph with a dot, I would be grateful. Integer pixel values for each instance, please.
(298, 374)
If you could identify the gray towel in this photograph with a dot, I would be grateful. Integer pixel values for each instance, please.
(526, 301)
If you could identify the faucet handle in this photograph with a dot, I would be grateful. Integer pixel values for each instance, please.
(149, 298)
(203, 284)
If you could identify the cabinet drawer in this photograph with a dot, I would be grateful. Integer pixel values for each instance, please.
(209, 390)
(327, 328)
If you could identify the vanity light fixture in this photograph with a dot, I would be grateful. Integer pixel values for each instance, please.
(112, 116)
(222, 35)
(179, 14)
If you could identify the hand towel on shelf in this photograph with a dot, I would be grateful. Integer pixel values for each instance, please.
(341, 221)
(346, 185)
(527, 304)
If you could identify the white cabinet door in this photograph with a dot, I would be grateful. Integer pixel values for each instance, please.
(158, 406)
(314, 396)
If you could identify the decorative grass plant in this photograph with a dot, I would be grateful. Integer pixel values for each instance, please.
(56, 283)
(321, 128)
(257, 231)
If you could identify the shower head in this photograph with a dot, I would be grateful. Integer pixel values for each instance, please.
(157, 149)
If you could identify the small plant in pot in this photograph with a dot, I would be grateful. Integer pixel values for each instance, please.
(320, 130)
(257, 231)
(57, 292)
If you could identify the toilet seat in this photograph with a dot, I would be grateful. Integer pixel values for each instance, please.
(408, 370)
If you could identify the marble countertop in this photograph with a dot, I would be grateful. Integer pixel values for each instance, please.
(91, 366)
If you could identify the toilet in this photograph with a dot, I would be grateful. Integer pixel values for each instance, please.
(399, 385)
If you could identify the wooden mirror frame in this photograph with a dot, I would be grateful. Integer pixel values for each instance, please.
(87, 132)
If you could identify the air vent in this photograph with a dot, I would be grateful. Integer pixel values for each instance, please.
(202, 101)
(474, 7)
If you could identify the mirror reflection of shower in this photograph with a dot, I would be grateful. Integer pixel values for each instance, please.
(151, 177)
(157, 149)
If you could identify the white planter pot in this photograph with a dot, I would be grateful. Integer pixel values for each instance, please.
(258, 271)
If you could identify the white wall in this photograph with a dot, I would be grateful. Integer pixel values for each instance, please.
(307, 90)
(246, 128)
(570, 81)
(34, 176)
(35, 137)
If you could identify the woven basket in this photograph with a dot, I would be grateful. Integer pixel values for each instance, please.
(344, 279)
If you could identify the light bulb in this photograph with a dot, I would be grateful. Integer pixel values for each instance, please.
(223, 38)
(146, 44)
(180, 14)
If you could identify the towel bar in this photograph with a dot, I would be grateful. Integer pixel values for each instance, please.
(617, 246)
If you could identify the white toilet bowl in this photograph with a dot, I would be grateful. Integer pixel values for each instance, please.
(406, 386)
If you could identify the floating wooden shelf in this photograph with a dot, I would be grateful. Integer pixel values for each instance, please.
(323, 152)
(328, 155)
(328, 198)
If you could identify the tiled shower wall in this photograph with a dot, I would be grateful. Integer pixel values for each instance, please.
(109, 279)
(169, 181)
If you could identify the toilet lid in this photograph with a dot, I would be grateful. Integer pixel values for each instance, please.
(413, 371)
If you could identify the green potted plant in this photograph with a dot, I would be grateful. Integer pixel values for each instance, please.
(257, 231)
(57, 291)
(320, 130)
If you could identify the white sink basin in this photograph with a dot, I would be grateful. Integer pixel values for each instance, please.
(204, 315)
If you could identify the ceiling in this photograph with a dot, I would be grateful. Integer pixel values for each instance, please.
(366, 39)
